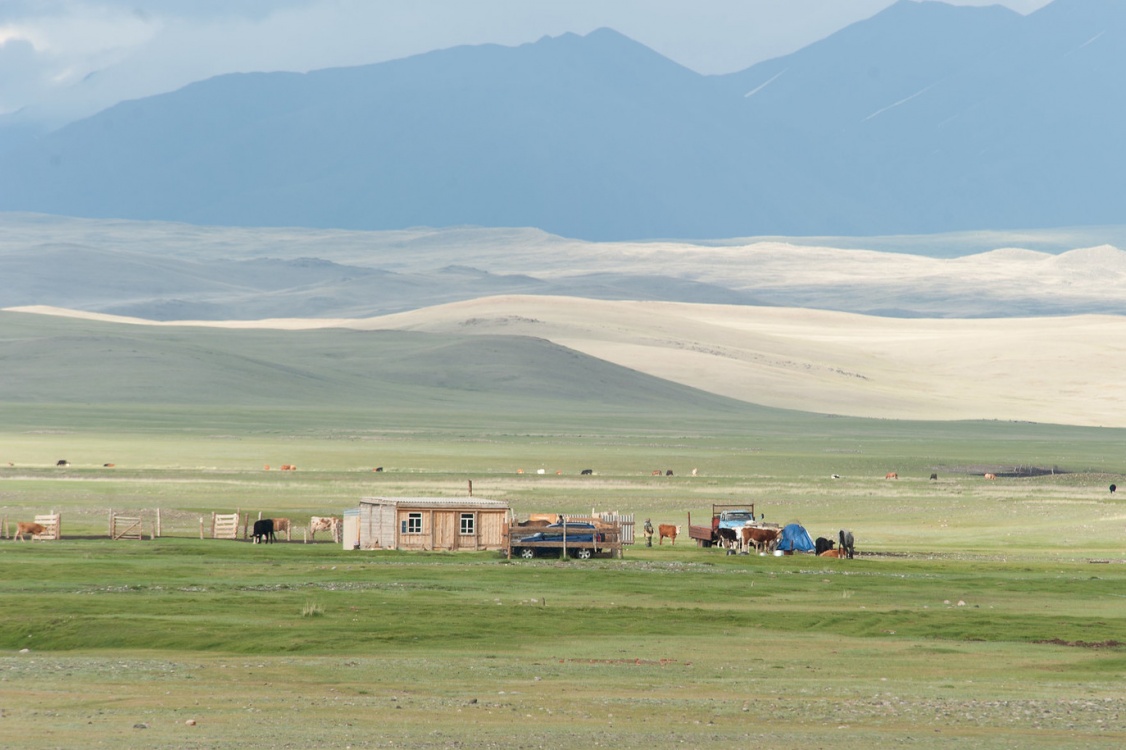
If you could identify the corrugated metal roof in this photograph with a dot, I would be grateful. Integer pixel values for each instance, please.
(435, 502)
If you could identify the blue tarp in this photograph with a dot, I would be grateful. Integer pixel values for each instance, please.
(795, 537)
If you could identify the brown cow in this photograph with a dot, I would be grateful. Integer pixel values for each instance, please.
(655, 473)
(28, 527)
(990, 476)
(281, 525)
(891, 475)
(667, 530)
(831, 553)
(762, 539)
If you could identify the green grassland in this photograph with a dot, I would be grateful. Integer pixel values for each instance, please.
(978, 614)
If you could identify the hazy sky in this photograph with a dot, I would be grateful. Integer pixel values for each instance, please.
(67, 58)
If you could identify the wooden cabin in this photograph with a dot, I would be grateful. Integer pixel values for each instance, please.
(430, 523)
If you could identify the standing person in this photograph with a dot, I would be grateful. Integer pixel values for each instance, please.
(648, 529)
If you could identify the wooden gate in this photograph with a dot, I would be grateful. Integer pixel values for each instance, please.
(124, 527)
(52, 525)
(224, 526)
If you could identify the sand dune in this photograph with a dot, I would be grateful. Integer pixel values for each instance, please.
(1061, 370)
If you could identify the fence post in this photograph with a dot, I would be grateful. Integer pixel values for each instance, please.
(157, 533)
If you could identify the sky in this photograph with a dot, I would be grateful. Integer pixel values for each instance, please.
(65, 59)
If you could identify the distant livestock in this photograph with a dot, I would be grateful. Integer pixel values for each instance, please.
(830, 553)
(990, 476)
(656, 472)
(763, 540)
(108, 466)
(288, 467)
(934, 476)
(1112, 489)
(587, 472)
(28, 528)
(891, 475)
(667, 530)
(281, 526)
(62, 462)
(668, 472)
(264, 531)
(823, 545)
(378, 468)
(324, 523)
(728, 538)
(848, 544)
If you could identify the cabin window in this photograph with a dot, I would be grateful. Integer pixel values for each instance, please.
(468, 523)
(412, 524)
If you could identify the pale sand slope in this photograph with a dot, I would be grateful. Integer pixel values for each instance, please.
(1063, 370)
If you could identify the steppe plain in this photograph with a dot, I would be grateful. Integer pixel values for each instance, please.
(978, 613)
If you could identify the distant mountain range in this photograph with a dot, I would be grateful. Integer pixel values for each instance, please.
(924, 118)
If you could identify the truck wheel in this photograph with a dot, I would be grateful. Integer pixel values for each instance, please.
(526, 552)
(584, 553)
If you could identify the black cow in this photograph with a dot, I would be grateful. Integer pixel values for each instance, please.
(668, 473)
(822, 544)
(728, 538)
(62, 462)
(264, 531)
(587, 472)
(848, 544)
(934, 476)
(1113, 488)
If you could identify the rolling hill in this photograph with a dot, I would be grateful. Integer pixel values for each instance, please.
(614, 355)
(163, 271)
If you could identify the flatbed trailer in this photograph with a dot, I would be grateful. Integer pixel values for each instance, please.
(605, 541)
(705, 536)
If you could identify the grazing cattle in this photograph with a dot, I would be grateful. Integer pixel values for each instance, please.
(656, 472)
(990, 476)
(264, 531)
(28, 528)
(822, 544)
(728, 538)
(519, 471)
(667, 530)
(834, 476)
(830, 553)
(324, 523)
(62, 462)
(288, 467)
(541, 471)
(693, 472)
(668, 473)
(1112, 489)
(109, 466)
(848, 544)
(281, 526)
(762, 539)
(587, 472)
(891, 475)
(378, 468)
(934, 476)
